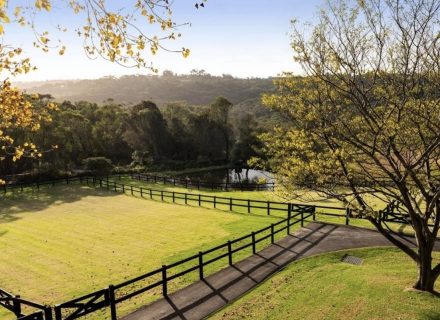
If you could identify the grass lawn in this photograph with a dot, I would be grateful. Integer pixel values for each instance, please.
(65, 241)
(322, 287)
(264, 196)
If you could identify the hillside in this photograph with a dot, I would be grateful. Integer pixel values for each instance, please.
(192, 89)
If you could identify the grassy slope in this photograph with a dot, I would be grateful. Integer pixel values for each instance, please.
(324, 288)
(67, 241)
(265, 196)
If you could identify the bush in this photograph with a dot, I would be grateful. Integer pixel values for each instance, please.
(98, 165)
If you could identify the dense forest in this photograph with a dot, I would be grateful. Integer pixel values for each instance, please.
(99, 137)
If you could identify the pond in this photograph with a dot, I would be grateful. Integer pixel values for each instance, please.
(231, 176)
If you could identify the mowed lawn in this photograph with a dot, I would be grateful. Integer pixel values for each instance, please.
(322, 287)
(65, 241)
(311, 197)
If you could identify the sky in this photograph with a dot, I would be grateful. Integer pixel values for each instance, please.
(243, 38)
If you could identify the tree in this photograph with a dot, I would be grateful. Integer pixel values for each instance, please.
(220, 109)
(115, 34)
(146, 131)
(364, 122)
(248, 144)
(21, 112)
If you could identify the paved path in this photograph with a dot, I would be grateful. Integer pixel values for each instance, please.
(204, 297)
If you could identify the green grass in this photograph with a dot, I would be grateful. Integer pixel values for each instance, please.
(322, 287)
(66, 241)
(265, 196)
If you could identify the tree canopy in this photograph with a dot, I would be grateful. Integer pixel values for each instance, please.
(364, 122)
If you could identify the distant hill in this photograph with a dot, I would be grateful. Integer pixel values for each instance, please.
(196, 90)
(192, 89)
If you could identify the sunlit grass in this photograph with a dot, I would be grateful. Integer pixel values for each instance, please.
(322, 287)
(65, 241)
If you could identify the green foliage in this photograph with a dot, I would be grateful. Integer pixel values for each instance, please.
(98, 165)
(365, 120)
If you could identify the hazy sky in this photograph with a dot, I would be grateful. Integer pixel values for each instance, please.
(245, 38)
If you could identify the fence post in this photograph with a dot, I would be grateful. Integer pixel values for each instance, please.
(161, 195)
(289, 215)
(164, 281)
(48, 313)
(111, 296)
(314, 213)
(151, 194)
(142, 191)
(201, 265)
(114, 184)
(200, 200)
(198, 185)
(131, 189)
(174, 181)
(215, 201)
(123, 188)
(17, 306)
(272, 233)
(249, 206)
(268, 208)
(253, 242)
(230, 204)
(212, 186)
(347, 216)
(186, 198)
(174, 196)
(58, 314)
(230, 252)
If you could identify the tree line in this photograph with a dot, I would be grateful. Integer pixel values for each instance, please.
(86, 135)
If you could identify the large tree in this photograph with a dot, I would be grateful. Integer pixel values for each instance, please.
(364, 120)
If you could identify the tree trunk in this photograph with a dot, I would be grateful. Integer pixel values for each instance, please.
(425, 242)
(427, 278)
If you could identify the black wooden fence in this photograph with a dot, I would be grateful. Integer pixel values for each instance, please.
(113, 295)
(198, 184)
(16, 304)
(217, 202)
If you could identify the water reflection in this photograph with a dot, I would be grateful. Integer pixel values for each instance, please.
(232, 176)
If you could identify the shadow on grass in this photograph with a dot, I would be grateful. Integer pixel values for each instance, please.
(430, 315)
(32, 200)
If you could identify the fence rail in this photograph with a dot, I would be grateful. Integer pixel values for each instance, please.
(113, 295)
(16, 304)
(217, 202)
(198, 184)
